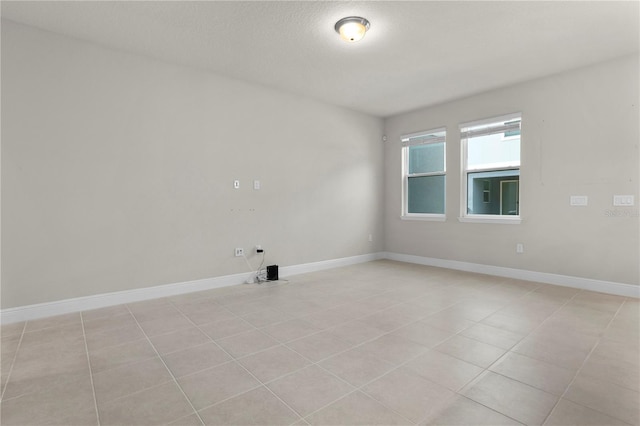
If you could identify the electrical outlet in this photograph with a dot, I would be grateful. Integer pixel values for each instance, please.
(239, 252)
(519, 248)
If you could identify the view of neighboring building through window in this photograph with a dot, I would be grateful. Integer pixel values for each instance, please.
(424, 173)
(491, 166)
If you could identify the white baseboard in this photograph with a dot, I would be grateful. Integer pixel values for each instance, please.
(620, 289)
(43, 310)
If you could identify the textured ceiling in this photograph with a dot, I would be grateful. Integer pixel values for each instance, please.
(416, 53)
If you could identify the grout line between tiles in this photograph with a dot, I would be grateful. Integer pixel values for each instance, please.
(233, 359)
(167, 368)
(93, 388)
(13, 361)
(584, 362)
(487, 369)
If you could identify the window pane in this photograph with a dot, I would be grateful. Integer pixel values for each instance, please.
(426, 194)
(495, 193)
(493, 151)
(426, 158)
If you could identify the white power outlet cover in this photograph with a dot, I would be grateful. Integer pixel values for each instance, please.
(579, 200)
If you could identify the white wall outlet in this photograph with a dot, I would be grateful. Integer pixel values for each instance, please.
(370, 237)
(519, 248)
(256, 184)
(236, 184)
(623, 200)
(239, 252)
(579, 200)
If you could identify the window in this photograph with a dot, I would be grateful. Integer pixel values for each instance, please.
(423, 156)
(491, 169)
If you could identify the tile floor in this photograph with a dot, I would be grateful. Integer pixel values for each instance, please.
(377, 343)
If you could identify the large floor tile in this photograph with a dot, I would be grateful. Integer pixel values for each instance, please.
(444, 369)
(472, 351)
(319, 346)
(162, 325)
(52, 336)
(102, 324)
(309, 389)
(122, 381)
(178, 340)
(493, 336)
(618, 371)
(356, 366)
(461, 411)
(194, 359)
(273, 363)
(116, 356)
(423, 334)
(226, 328)
(159, 405)
(557, 353)
(539, 374)
(113, 337)
(51, 322)
(356, 409)
(394, 349)
(568, 413)
(408, 394)
(63, 403)
(448, 322)
(516, 400)
(247, 343)
(290, 330)
(608, 398)
(255, 407)
(356, 332)
(265, 317)
(43, 363)
(216, 384)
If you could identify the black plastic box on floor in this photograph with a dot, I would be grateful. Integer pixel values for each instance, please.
(272, 273)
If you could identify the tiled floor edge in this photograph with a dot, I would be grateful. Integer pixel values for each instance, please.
(618, 289)
(59, 307)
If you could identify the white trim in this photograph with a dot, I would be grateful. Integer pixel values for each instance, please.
(479, 218)
(620, 289)
(42, 310)
(485, 121)
(424, 216)
(59, 307)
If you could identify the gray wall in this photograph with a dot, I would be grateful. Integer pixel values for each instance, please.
(118, 170)
(580, 133)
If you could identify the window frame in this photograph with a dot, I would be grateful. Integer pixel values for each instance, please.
(464, 171)
(406, 143)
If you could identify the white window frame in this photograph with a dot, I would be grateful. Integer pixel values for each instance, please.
(422, 138)
(485, 218)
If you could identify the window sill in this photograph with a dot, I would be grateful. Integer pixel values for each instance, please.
(425, 217)
(509, 220)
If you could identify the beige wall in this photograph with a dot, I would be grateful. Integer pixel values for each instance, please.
(118, 170)
(580, 134)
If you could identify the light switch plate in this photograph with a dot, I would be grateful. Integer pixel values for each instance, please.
(579, 200)
(623, 200)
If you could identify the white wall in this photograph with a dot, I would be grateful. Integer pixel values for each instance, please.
(580, 134)
(117, 172)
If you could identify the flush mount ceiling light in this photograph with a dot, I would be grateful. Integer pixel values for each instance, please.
(352, 28)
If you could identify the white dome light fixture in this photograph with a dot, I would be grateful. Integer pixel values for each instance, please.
(352, 28)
